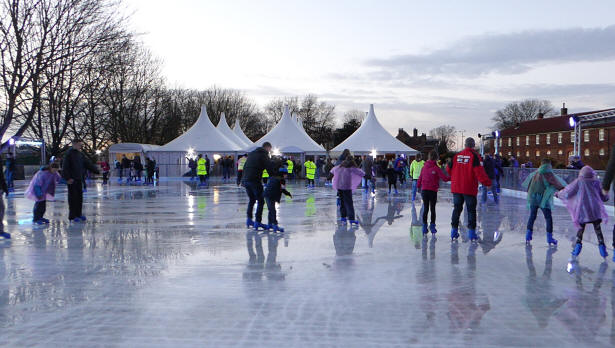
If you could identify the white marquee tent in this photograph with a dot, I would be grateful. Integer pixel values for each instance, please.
(241, 135)
(289, 138)
(228, 132)
(371, 137)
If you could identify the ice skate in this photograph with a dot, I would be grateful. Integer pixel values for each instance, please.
(577, 250)
(82, 218)
(45, 220)
(551, 240)
(258, 225)
(454, 234)
(425, 230)
(5, 235)
(249, 223)
(38, 222)
(396, 193)
(343, 220)
(603, 251)
(432, 228)
(277, 228)
(472, 236)
(354, 222)
(528, 237)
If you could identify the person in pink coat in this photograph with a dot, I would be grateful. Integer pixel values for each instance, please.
(429, 183)
(346, 178)
(42, 187)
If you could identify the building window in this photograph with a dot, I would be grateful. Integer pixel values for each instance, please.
(509, 141)
(586, 136)
(517, 141)
(527, 154)
(509, 153)
(500, 142)
(601, 152)
(548, 152)
(586, 152)
(537, 139)
(559, 138)
(527, 140)
(601, 134)
(518, 154)
(560, 152)
(537, 153)
(572, 137)
(548, 139)
(571, 153)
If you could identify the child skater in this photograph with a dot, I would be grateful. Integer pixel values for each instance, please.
(276, 186)
(429, 183)
(541, 185)
(42, 187)
(392, 176)
(346, 178)
(584, 199)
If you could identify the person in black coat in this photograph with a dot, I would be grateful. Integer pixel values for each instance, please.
(5, 189)
(125, 167)
(609, 175)
(490, 169)
(257, 161)
(276, 186)
(73, 168)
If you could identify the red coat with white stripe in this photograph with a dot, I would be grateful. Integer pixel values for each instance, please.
(466, 170)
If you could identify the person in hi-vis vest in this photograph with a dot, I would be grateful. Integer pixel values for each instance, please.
(201, 170)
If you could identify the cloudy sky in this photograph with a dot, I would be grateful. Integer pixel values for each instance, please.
(422, 63)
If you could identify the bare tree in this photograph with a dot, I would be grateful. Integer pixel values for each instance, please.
(353, 115)
(446, 136)
(522, 111)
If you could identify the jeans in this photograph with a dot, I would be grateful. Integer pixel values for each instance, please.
(346, 204)
(534, 213)
(105, 177)
(225, 173)
(493, 191)
(414, 188)
(470, 202)
(75, 199)
(8, 174)
(272, 214)
(1, 213)
(429, 203)
(39, 210)
(255, 193)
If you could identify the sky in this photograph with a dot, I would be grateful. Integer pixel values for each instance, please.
(421, 63)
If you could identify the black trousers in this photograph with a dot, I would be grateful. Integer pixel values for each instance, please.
(272, 213)
(75, 199)
(239, 175)
(39, 210)
(346, 204)
(429, 203)
(597, 229)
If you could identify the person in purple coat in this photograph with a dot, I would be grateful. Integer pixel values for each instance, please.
(42, 187)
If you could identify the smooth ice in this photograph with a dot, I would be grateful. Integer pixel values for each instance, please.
(174, 266)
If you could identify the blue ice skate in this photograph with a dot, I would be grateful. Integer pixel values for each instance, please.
(454, 234)
(258, 225)
(432, 228)
(425, 230)
(343, 220)
(528, 237)
(45, 220)
(82, 218)
(38, 222)
(249, 223)
(577, 250)
(5, 235)
(354, 222)
(277, 228)
(472, 236)
(551, 240)
(603, 251)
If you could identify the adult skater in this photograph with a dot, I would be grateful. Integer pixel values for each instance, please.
(368, 168)
(192, 166)
(466, 170)
(241, 162)
(9, 170)
(346, 178)
(310, 172)
(415, 171)
(5, 189)
(74, 167)
(125, 168)
(201, 170)
(490, 169)
(609, 176)
(257, 161)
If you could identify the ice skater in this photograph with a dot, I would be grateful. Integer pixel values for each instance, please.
(5, 189)
(415, 170)
(42, 187)
(609, 176)
(310, 172)
(541, 186)
(346, 178)
(257, 162)
(429, 183)
(392, 177)
(201, 170)
(74, 166)
(273, 194)
(490, 169)
(584, 199)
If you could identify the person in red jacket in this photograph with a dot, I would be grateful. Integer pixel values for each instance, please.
(466, 170)
(429, 183)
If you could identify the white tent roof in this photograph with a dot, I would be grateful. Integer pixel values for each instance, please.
(228, 132)
(288, 137)
(241, 135)
(132, 147)
(201, 137)
(372, 136)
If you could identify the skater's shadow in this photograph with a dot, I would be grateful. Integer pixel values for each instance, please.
(490, 219)
(259, 265)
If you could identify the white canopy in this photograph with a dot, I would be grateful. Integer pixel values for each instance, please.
(228, 132)
(288, 137)
(201, 137)
(371, 136)
(241, 135)
(132, 148)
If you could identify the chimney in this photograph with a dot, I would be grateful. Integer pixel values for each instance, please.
(541, 115)
(564, 110)
(415, 132)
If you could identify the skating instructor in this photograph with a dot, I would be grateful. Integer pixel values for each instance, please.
(73, 169)
(257, 161)
(466, 170)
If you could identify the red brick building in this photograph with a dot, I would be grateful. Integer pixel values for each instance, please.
(553, 138)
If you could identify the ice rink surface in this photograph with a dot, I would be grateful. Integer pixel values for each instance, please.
(174, 266)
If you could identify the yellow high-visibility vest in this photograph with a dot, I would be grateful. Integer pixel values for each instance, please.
(242, 162)
(265, 174)
(201, 168)
(290, 166)
(310, 169)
